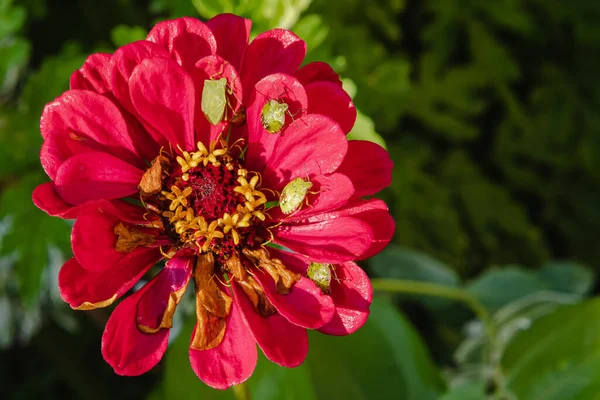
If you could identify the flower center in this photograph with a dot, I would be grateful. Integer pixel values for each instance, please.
(206, 202)
(205, 199)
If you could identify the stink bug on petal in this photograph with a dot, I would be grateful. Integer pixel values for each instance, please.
(272, 116)
(320, 274)
(214, 99)
(293, 194)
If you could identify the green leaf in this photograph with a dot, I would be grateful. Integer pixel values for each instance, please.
(558, 357)
(210, 8)
(467, 391)
(402, 263)
(498, 287)
(31, 234)
(568, 277)
(12, 18)
(313, 30)
(123, 34)
(364, 129)
(273, 382)
(13, 58)
(385, 359)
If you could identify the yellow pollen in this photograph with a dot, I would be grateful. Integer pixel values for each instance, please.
(177, 196)
(194, 229)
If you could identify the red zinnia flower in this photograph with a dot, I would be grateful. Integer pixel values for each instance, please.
(203, 194)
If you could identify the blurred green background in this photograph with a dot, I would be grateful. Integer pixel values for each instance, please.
(491, 113)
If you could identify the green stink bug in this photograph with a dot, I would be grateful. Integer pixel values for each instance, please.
(272, 116)
(293, 194)
(214, 99)
(320, 274)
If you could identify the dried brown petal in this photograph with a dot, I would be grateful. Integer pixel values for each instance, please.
(167, 319)
(284, 278)
(210, 329)
(236, 268)
(257, 296)
(207, 292)
(151, 182)
(212, 305)
(128, 238)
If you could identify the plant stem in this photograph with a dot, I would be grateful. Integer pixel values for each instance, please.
(433, 289)
(242, 391)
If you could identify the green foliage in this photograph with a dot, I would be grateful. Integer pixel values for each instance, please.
(265, 14)
(495, 288)
(30, 235)
(31, 232)
(568, 277)
(498, 287)
(468, 391)
(19, 125)
(547, 362)
(123, 34)
(401, 263)
(14, 50)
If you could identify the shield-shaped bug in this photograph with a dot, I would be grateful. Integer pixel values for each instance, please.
(293, 194)
(272, 116)
(320, 274)
(214, 99)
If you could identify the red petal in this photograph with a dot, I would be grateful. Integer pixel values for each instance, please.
(214, 67)
(383, 228)
(292, 261)
(93, 75)
(129, 351)
(124, 211)
(305, 305)
(373, 212)
(352, 294)
(333, 241)
(46, 199)
(60, 146)
(84, 289)
(186, 39)
(312, 145)
(233, 360)
(124, 61)
(277, 50)
(174, 277)
(282, 342)
(329, 99)
(328, 192)
(316, 72)
(87, 115)
(231, 33)
(280, 87)
(163, 95)
(369, 167)
(93, 176)
(93, 239)
(352, 209)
